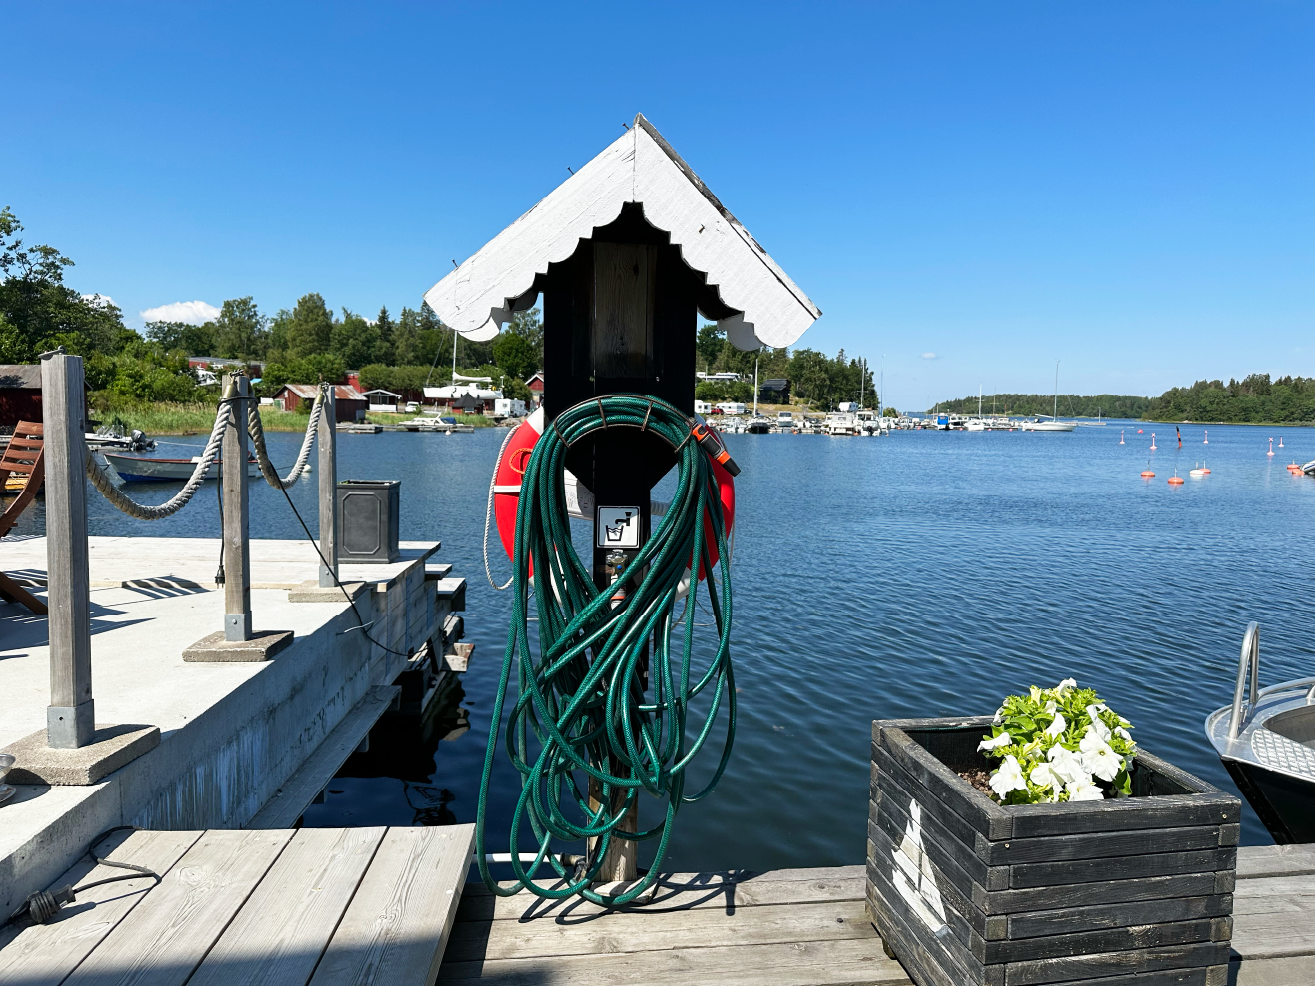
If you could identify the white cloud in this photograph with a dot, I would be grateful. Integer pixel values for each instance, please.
(98, 299)
(930, 356)
(191, 312)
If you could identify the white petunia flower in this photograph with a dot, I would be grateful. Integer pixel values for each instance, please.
(1003, 739)
(1043, 775)
(1122, 733)
(1008, 778)
(1065, 765)
(1099, 728)
(1051, 707)
(1065, 685)
(1084, 791)
(999, 716)
(1099, 757)
(1057, 727)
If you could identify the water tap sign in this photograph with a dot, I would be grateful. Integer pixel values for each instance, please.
(618, 527)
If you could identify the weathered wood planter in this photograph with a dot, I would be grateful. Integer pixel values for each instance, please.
(1132, 890)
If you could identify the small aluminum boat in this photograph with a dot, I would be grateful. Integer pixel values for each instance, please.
(1267, 744)
(135, 469)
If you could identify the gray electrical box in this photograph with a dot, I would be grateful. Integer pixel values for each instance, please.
(367, 520)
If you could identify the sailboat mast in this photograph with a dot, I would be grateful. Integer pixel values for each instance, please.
(862, 372)
(755, 386)
(979, 400)
(1055, 416)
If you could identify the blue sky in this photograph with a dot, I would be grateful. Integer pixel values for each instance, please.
(1126, 187)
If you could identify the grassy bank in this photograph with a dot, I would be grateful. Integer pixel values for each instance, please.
(187, 419)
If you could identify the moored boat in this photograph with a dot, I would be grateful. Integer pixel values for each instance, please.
(1267, 745)
(137, 469)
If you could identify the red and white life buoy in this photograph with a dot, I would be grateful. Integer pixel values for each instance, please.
(510, 471)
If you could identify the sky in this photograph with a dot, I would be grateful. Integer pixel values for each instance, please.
(969, 192)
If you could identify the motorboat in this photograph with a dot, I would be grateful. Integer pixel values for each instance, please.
(137, 469)
(975, 424)
(1040, 424)
(759, 425)
(1266, 740)
(840, 423)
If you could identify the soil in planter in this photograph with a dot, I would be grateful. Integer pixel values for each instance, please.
(979, 779)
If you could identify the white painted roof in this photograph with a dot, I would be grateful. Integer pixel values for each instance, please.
(478, 297)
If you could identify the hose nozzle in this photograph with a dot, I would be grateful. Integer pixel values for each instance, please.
(709, 440)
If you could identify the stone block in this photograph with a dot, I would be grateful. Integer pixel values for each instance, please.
(263, 645)
(110, 748)
(313, 592)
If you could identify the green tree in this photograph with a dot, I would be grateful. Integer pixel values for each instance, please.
(529, 326)
(514, 354)
(709, 346)
(384, 324)
(239, 331)
(309, 327)
(355, 341)
(194, 340)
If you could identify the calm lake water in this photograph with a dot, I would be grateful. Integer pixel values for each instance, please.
(923, 574)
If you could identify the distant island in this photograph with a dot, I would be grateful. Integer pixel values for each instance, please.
(1254, 400)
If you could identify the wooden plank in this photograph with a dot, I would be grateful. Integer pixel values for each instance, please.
(686, 891)
(851, 961)
(1105, 892)
(939, 842)
(1278, 923)
(396, 927)
(282, 930)
(642, 931)
(1297, 970)
(1126, 962)
(1263, 861)
(237, 516)
(1090, 845)
(1105, 940)
(49, 952)
(1120, 867)
(946, 786)
(624, 275)
(326, 437)
(290, 801)
(162, 940)
(924, 956)
(72, 720)
(890, 776)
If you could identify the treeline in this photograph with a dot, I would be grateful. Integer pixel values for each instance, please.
(821, 381)
(305, 344)
(1070, 405)
(1254, 400)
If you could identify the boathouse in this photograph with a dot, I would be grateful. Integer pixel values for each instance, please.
(351, 404)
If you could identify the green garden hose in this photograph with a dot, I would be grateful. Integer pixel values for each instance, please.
(581, 696)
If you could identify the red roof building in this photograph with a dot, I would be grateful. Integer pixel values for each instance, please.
(351, 405)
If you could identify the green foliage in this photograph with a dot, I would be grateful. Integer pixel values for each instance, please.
(239, 332)
(514, 354)
(714, 392)
(1071, 405)
(355, 340)
(401, 379)
(384, 323)
(1256, 399)
(309, 327)
(311, 369)
(1059, 744)
(194, 340)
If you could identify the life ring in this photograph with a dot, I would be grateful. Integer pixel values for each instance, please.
(510, 471)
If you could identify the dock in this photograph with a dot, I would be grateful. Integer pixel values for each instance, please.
(241, 744)
(387, 905)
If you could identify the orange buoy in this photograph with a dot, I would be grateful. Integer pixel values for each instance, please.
(1175, 480)
(1147, 474)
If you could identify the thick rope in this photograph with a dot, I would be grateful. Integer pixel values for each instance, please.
(256, 429)
(582, 696)
(143, 511)
(488, 516)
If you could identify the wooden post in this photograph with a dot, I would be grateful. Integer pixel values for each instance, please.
(621, 864)
(70, 719)
(328, 464)
(237, 549)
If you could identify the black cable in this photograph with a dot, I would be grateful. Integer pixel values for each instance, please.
(219, 496)
(347, 595)
(41, 906)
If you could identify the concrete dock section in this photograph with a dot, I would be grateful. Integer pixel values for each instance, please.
(231, 734)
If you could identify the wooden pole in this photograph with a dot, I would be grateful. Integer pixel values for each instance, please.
(621, 864)
(70, 718)
(328, 452)
(237, 548)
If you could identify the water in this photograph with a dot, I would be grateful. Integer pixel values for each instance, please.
(922, 574)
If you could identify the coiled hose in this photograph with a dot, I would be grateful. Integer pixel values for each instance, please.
(581, 697)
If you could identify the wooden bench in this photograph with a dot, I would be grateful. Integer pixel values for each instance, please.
(24, 456)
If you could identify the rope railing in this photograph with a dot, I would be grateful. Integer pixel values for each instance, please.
(142, 511)
(145, 511)
(256, 429)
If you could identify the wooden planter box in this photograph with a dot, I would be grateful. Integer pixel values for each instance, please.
(964, 890)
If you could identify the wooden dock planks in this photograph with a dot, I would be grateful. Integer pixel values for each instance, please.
(256, 906)
(783, 928)
(280, 934)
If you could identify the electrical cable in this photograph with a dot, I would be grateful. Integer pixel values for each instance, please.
(41, 906)
(583, 698)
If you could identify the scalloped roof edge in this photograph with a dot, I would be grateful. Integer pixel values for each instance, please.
(481, 295)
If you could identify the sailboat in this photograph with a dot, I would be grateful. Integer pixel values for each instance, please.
(758, 425)
(1054, 424)
(1098, 423)
(978, 423)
